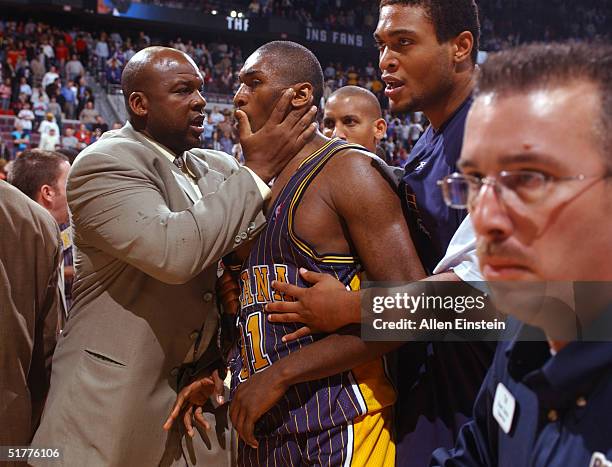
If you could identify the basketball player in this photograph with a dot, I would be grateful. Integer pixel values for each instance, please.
(353, 114)
(329, 210)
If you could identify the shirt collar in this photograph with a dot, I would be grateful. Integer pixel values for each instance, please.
(161, 148)
(575, 368)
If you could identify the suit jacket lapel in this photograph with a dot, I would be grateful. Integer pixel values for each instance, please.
(185, 185)
(208, 180)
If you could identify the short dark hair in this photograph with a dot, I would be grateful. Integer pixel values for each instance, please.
(35, 168)
(302, 65)
(544, 65)
(449, 18)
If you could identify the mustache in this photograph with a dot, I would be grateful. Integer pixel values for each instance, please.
(486, 249)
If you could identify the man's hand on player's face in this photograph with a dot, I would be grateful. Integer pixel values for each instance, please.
(192, 398)
(325, 307)
(268, 150)
(252, 399)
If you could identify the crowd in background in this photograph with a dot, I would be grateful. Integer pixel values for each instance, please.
(504, 22)
(45, 70)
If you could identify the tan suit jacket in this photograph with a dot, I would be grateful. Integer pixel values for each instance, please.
(143, 299)
(30, 256)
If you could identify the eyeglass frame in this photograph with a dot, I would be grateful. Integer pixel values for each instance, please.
(497, 186)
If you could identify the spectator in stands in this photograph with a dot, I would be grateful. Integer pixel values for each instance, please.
(100, 124)
(80, 45)
(74, 68)
(24, 87)
(5, 94)
(84, 94)
(415, 130)
(113, 72)
(40, 104)
(50, 140)
(38, 70)
(61, 54)
(26, 118)
(21, 139)
(102, 51)
(216, 117)
(68, 93)
(83, 135)
(55, 109)
(50, 77)
(96, 134)
(69, 141)
(47, 124)
(89, 114)
(207, 135)
(48, 52)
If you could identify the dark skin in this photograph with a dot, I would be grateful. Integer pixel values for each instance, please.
(330, 219)
(165, 102)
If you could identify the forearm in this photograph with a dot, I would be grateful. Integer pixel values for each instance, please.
(329, 356)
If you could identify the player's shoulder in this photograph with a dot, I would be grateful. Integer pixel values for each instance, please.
(357, 160)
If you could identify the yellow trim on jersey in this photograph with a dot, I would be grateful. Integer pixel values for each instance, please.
(317, 152)
(335, 259)
(373, 444)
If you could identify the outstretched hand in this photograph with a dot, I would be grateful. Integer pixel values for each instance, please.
(269, 149)
(192, 398)
(323, 308)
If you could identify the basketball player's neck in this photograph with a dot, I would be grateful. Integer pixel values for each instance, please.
(317, 141)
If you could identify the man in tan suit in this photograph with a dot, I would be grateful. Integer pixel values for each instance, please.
(30, 256)
(42, 175)
(151, 220)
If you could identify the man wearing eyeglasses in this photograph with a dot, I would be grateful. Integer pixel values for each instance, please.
(536, 178)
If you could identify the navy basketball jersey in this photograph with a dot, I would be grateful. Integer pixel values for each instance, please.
(278, 254)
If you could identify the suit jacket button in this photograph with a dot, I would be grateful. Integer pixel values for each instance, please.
(174, 371)
(194, 335)
(207, 297)
(244, 235)
(237, 239)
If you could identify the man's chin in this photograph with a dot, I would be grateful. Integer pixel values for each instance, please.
(401, 106)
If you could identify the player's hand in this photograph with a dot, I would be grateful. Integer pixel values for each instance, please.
(191, 399)
(268, 150)
(325, 307)
(252, 399)
(228, 293)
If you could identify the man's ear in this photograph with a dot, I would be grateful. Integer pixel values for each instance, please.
(303, 91)
(139, 104)
(45, 196)
(380, 129)
(462, 47)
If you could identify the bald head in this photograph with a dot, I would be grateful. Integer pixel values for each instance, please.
(359, 96)
(354, 114)
(162, 91)
(145, 67)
